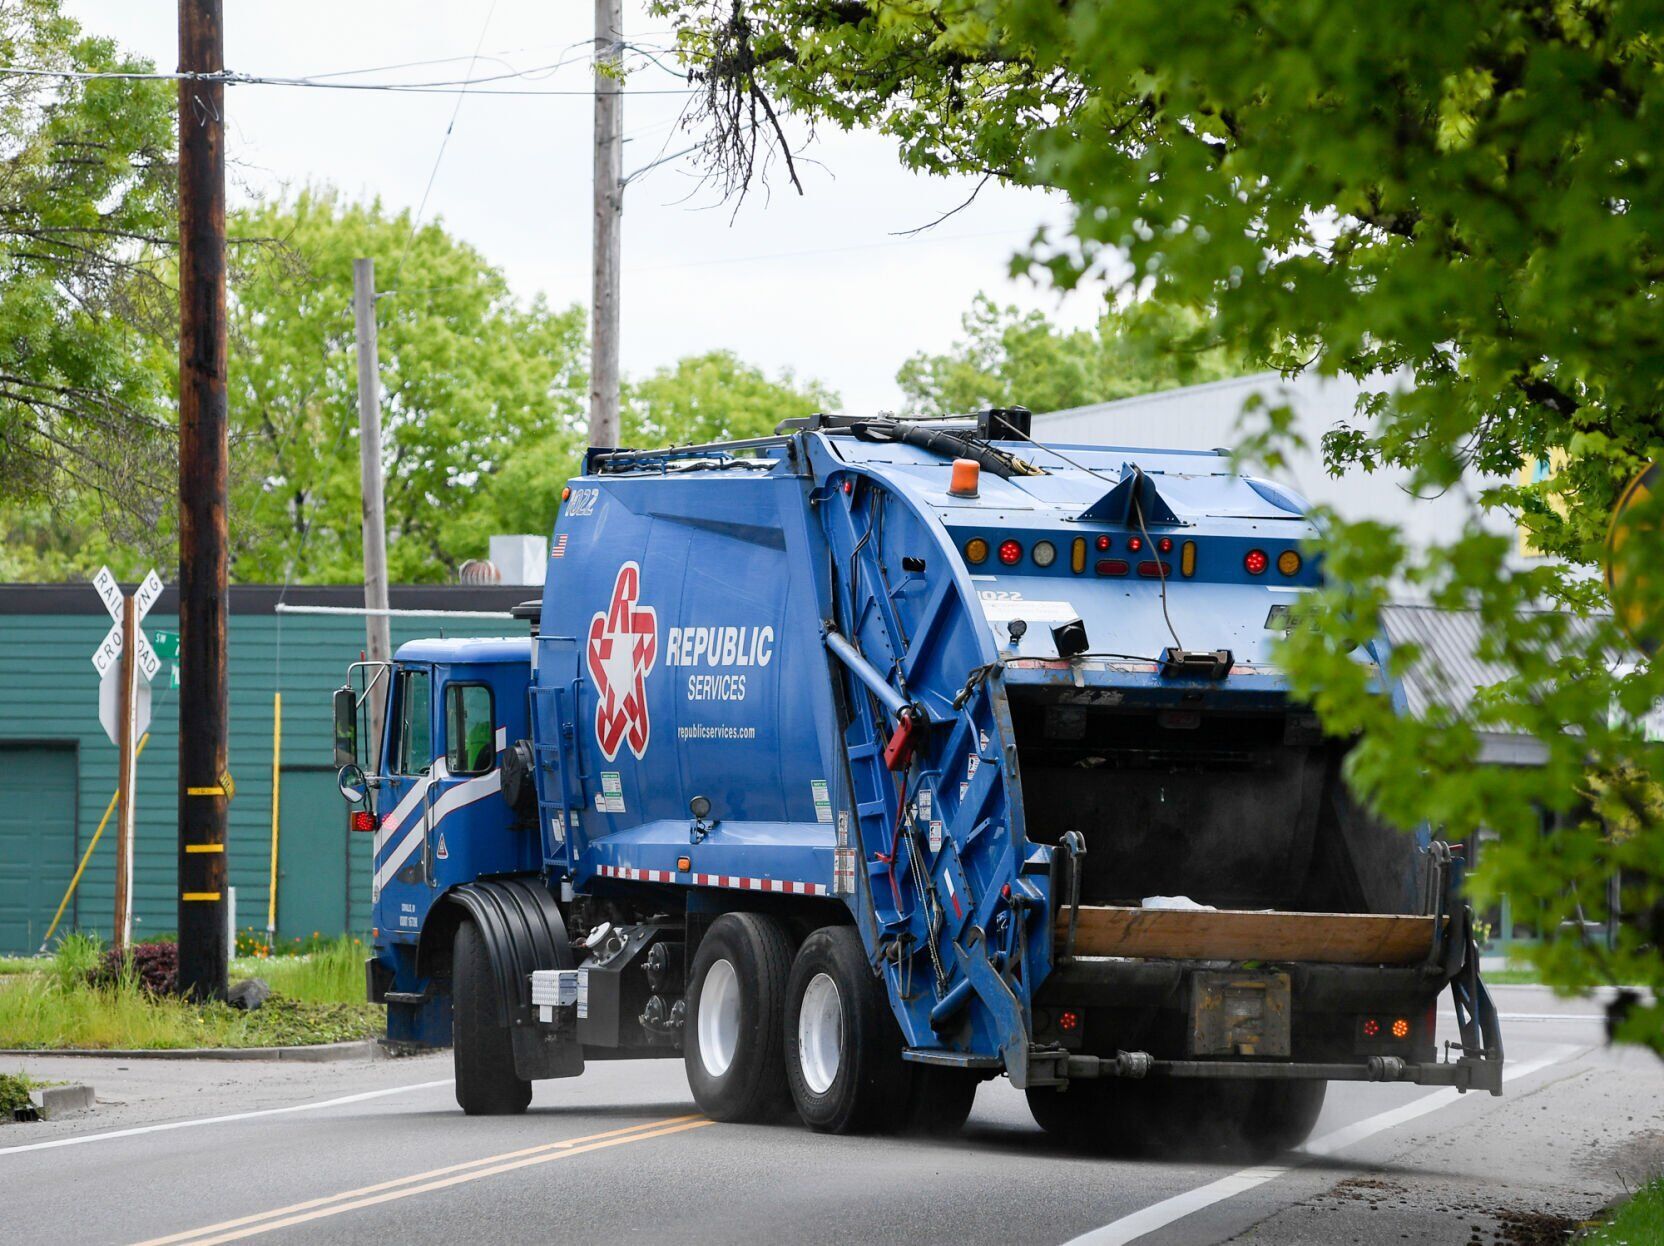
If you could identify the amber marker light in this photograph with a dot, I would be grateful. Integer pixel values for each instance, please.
(1288, 562)
(1077, 555)
(976, 551)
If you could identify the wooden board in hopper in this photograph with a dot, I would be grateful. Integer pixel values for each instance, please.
(1228, 934)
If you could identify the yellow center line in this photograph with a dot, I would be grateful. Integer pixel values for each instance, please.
(433, 1179)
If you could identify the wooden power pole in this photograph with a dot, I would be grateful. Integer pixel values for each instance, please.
(377, 629)
(204, 780)
(609, 213)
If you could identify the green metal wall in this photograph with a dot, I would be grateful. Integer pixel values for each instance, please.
(49, 695)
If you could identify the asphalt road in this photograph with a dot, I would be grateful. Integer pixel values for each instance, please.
(203, 1151)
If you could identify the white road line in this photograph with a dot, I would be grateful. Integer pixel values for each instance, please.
(1159, 1215)
(78, 1139)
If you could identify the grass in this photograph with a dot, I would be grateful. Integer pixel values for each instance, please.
(332, 973)
(317, 998)
(14, 1091)
(1639, 1222)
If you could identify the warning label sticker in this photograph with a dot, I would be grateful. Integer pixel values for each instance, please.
(823, 801)
(936, 836)
(843, 871)
(611, 797)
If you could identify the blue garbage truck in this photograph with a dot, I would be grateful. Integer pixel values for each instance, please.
(859, 764)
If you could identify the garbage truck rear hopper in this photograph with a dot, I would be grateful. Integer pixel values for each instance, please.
(863, 763)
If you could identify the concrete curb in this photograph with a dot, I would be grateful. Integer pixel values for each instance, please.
(54, 1101)
(362, 1049)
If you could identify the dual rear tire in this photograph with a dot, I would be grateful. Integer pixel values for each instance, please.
(769, 1029)
(1194, 1119)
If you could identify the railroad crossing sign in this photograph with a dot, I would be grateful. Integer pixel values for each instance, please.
(125, 663)
(108, 653)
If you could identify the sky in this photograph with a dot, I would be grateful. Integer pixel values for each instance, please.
(822, 284)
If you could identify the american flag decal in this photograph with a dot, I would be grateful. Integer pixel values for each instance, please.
(558, 550)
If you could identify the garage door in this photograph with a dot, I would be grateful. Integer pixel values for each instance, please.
(37, 839)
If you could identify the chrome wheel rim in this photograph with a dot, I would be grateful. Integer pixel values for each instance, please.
(820, 1033)
(719, 1018)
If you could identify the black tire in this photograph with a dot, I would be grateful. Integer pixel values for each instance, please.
(1073, 1115)
(940, 1101)
(735, 1065)
(1282, 1116)
(480, 1048)
(849, 1079)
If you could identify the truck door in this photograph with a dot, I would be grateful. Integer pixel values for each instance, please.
(403, 865)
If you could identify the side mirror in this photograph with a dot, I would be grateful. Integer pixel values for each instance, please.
(346, 729)
(354, 786)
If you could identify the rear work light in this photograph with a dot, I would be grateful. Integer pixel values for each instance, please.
(1011, 552)
(1255, 562)
(976, 551)
(362, 820)
(1044, 553)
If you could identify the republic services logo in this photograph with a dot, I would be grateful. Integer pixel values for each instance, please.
(623, 644)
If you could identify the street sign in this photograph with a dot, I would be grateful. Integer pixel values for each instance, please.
(166, 643)
(1631, 581)
(109, 706)
(109, 592)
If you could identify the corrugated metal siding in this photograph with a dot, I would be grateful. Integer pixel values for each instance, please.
(49, 692)
(1449, 669)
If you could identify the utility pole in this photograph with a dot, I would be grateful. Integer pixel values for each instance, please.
(377, 631)
(204, 780)
(609, 212)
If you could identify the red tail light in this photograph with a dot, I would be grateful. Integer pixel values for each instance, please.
(1011, 552)
(1111, 566)
(1164, 545)
(1372, 1028)
(1102, 543)
(363, 820)
(1256, 562)
(1135, 543)
(1154, 570)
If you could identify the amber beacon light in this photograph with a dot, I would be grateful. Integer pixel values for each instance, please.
(967, 476)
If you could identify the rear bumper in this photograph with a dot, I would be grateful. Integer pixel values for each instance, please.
(1467, 1073)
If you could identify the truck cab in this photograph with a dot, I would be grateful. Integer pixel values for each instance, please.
(431, 791)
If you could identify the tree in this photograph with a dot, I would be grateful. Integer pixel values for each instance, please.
(86, 190)
(716, 397)
(1010, 358)
(470, 376)
(1468, 194)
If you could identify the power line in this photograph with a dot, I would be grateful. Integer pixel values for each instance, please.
(233, 78)
(416, 221)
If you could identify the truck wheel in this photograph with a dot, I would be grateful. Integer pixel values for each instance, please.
(1282, 1115)
(1073, 1115)
(736, 998)
(480, 1048)
(940, 1101)
(843, 1048)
